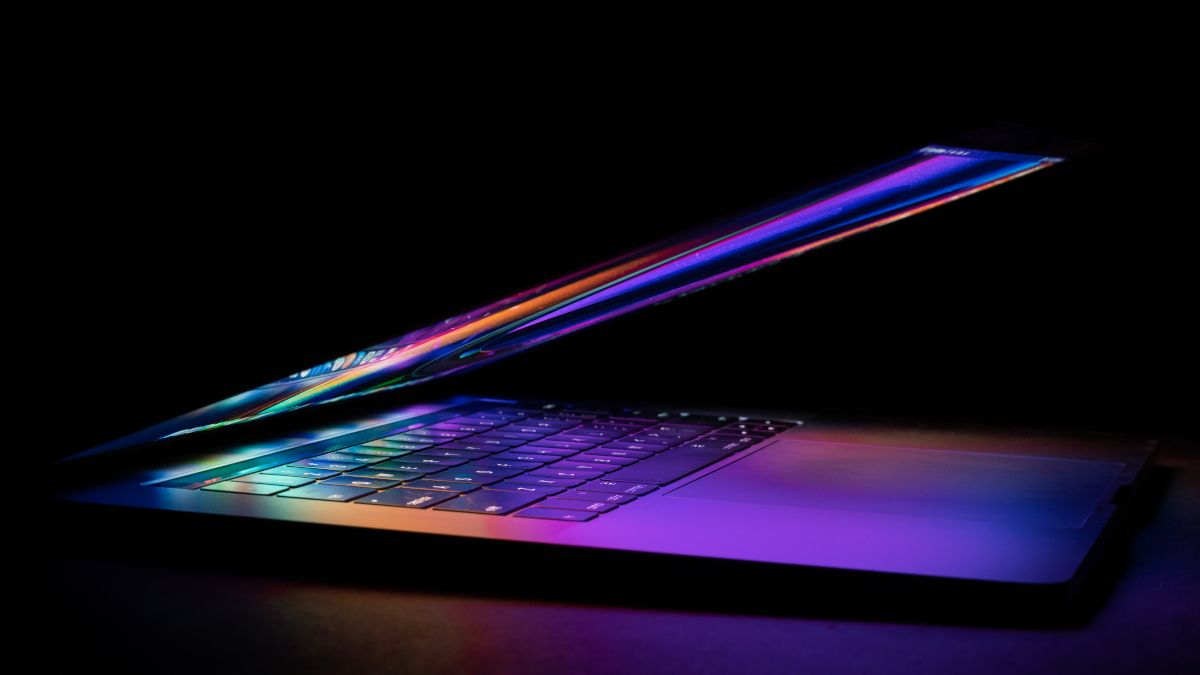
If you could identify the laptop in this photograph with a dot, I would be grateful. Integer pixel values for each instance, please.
(353, 443)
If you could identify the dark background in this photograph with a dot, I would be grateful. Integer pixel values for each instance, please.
(207, 231)
(231, 234)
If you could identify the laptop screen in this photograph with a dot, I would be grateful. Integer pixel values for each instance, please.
(921, 180)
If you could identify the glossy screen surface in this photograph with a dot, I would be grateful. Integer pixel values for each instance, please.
(921, 180)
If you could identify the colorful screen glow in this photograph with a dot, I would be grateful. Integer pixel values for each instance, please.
(916, 182)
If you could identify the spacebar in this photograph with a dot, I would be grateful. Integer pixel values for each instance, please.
(669, 465)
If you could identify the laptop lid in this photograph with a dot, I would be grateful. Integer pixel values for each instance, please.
(690, 261)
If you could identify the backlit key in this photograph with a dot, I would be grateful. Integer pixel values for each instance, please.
(593, 496)
(572, 465)
(328, 493)
(577, 505)
(267, 479)
(507, 464)
(492, 502)
(544, 480)
(245, 488)
(556, 514)
(600, 459)
(351, 481)
(544, 490)
(561, 445)
(613, 452)
(428, 432)
(475, 474)
(516, 456)
(315, 474)
(621, 487)
(557, 473)
(375, 451)
(386, 475)
(440, 485)
(413, 499)
(329, 466)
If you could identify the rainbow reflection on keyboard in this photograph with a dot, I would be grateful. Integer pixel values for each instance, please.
(562, 463)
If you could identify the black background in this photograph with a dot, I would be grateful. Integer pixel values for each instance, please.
(204, 230)
(227, 234)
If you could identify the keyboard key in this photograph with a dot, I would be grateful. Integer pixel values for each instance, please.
(476, 421)
(375, 452)
(599, 426)
(600, 433)
(593, 496)
(544, 490)
(386, 475)
(395, 445)
(421, 459)
(746, 441)
(470, 445)
(778, 423)
(511, 435)
(411, 438)
(572, 465)
(405, 466)
(613, 452)
(710, 442)
(556, 514)
(681, 428)
(658, 440)
(561, 445)
(413, 499)
(496, 443)
(552, 424)
(636, 447)
(347, 457)
(440, 485)
(538, 450)
(426, 432)
(453, 426)
(268, 479)
(601, 459)
(496, 416)
(563, 473)
(621, 487)
(576, 505)
(494, 502)
(329, 493)
(315, 474)
(245, 488)
(329, 466)
(739, 431)
(571, 414)
(670, 465)
(351, 481)
(567, 418)
(633, 419)
(544, 480)
(507, 464)
(666, 437)
(526, 429)
(575, 438)
(518, 456)
(518, 412)
(707, 420)
(480, 475)
(443, 451)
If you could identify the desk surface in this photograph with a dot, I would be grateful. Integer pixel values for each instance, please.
(144, 615)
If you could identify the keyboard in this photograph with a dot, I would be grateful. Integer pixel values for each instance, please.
(556, 462)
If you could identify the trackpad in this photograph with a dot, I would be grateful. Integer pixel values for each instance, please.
(1016, 489)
